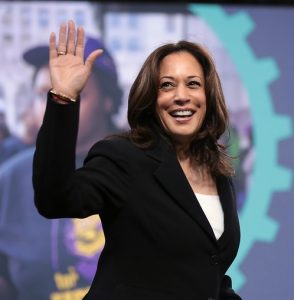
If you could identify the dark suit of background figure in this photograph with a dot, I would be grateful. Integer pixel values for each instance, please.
(60, 255)
(159, 244)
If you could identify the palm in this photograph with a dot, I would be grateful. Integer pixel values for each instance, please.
(68, 74)
(68, 71)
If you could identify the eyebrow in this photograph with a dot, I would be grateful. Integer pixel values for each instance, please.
(171, 77)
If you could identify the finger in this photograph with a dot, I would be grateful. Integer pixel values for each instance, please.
(62, 38)
(92, 57)
(52, 46)
(80, 48)
(71, 37)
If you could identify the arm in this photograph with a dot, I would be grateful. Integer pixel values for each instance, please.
(227, 293)
(60, 191)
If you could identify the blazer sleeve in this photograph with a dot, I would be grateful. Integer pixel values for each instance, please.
(59, 189)
(227, 292)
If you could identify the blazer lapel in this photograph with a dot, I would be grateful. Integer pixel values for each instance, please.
(173, 180)
(227, 198)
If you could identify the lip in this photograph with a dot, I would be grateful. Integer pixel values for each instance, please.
(182, 119)
(171, 112)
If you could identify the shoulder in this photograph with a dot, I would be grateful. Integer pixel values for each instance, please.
(20, 161)
(115, 148)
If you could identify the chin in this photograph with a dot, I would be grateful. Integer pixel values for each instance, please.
(181, 138)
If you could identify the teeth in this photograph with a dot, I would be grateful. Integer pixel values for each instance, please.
(182, 113)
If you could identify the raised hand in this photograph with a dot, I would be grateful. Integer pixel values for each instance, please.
(68, 70)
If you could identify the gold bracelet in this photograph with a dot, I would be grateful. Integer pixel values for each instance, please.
(62, 97)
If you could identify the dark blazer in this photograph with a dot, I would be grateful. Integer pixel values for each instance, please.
(159, 243)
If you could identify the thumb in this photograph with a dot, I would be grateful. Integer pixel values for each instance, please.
(92, 57)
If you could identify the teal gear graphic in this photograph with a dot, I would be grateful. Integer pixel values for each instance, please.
(268, 129)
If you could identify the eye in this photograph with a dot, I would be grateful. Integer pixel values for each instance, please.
(194, 83)
(166, 85)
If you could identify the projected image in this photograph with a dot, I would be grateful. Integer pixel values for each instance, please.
(66, 251)
(57, 259)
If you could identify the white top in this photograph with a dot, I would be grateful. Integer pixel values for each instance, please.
(213, 210)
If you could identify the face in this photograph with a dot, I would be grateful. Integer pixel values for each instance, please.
(181, 100)
(93, 113)
(41, 87)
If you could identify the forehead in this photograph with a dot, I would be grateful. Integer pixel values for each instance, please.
(180, 62)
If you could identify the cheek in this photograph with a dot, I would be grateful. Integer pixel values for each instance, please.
(204, 110)
(160, 112)
(85, 117)
(203, 115)
(90, 107)
(162, 103)
(202, 104)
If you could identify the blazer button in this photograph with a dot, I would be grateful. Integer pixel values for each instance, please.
(214, 260)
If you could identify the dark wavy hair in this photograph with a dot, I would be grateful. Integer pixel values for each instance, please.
(145, 127)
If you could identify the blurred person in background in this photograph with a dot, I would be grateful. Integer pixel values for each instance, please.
(10, 144)
(53, 259)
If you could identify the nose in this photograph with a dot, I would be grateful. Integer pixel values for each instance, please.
(181, 102)
(181, 95)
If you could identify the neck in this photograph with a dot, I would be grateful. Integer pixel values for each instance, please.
(182, 151)
(188, 161)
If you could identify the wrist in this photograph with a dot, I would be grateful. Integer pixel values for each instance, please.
(61, 97)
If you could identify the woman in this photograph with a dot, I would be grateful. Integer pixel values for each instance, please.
(162, 190)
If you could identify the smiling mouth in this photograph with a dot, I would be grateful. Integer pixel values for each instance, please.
(182, 113)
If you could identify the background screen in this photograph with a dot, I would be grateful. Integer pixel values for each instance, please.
(253, 49)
